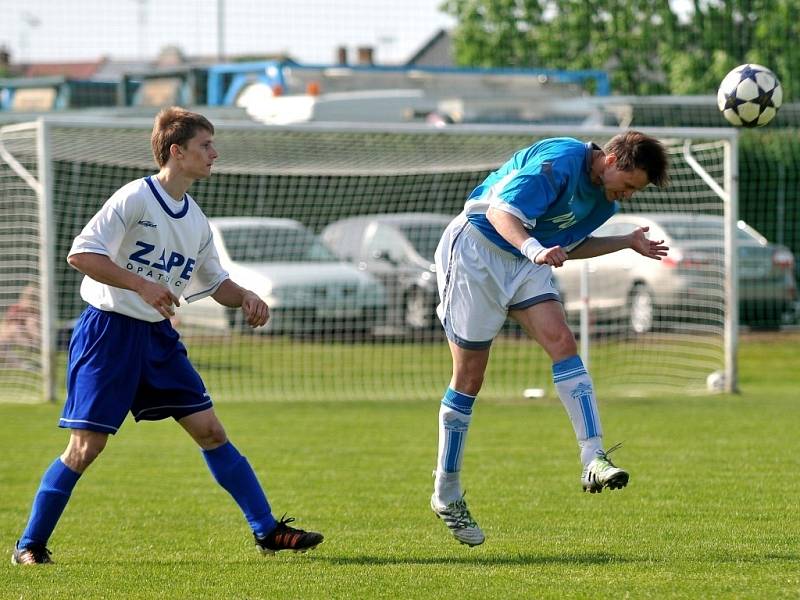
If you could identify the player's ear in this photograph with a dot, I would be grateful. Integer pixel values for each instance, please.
(176, 150)
(611, 159)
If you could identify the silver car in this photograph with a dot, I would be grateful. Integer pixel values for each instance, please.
(308, 289)
(398, 249)
(688, 284)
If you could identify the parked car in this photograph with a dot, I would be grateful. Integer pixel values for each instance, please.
(398, 249)
(308, 289)
(689, 281)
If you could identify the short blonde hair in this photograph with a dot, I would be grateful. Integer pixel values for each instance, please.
(175, 125)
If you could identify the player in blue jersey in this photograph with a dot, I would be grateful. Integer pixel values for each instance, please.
(495, 260)
(149, 246)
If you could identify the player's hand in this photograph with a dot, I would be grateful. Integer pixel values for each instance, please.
(158, 297)
(554, 257)
(256, 311)
(654, 249)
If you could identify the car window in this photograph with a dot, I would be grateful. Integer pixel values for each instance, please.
(259, 244)
(705, 230)
(344, 239)
(383, 243)
(424, 237)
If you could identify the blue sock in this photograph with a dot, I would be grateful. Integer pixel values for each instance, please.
(234, 473)
(48, 504)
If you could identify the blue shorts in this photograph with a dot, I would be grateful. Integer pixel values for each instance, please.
(119, 364)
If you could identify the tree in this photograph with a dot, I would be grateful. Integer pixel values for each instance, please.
(646, 47)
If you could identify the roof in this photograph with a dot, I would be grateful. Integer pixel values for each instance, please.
(232, 222)
(437, 51)
(76, 70)
(402, 218)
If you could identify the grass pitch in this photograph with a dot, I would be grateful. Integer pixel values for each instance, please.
(711, 510)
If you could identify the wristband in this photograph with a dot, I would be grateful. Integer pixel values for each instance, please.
(531, 248)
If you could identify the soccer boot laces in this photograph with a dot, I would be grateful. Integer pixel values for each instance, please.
(285, 537)
(32, 555)
(459, 521)
(602, 473)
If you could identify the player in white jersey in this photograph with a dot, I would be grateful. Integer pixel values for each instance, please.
(149, 246)
(495, 260)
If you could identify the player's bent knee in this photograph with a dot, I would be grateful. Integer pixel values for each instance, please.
(560, 345)
(210, 437)
(83, 448)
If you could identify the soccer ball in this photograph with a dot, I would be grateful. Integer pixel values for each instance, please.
(749, 96)
(715, 382)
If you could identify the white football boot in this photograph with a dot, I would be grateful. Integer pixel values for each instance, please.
(602, 473)
(459, 521)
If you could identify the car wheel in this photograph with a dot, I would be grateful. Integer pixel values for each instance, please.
(419, 311)
(641, 309)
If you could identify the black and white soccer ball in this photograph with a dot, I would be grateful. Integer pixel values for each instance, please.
(750, 96)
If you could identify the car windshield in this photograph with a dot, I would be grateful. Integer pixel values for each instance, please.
(702, 230)
(260, 244)
(424, 237)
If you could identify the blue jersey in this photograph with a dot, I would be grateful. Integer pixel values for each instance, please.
(548, 187)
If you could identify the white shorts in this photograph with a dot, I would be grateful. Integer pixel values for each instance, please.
(479, 283)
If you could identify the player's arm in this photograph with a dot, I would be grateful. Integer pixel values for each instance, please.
(103, 270)
(636, 240)
(514, 232)
(256, 311)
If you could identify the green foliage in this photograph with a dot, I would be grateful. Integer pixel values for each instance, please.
(647, 47)
(769, 175)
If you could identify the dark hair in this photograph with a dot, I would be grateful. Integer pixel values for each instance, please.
(175, 125)
(635, 150)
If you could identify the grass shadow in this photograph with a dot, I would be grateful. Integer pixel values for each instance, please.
(581, 560)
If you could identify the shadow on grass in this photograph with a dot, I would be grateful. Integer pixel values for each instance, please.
(478, 560)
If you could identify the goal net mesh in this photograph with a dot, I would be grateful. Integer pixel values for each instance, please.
(353, 301)
(20, 273)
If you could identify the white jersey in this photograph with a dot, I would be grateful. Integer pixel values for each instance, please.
(145, 231)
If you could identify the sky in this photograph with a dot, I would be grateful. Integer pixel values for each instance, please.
(308, 30)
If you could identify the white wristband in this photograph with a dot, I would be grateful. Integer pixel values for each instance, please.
(531, 248)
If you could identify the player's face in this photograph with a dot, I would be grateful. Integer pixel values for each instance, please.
(621, 185)
(199, 155)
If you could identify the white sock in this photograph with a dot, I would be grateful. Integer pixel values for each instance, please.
(447, 487)
(574, 387)
(455, 414)
(590, 448)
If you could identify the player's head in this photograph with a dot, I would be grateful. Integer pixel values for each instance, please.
(632, 161)
(185, 137)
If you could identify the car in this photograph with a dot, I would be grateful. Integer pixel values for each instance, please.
(308, 289)
(688, 282)
(398, 249)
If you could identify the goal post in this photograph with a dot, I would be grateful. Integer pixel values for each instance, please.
(323, 344)
(27, 348)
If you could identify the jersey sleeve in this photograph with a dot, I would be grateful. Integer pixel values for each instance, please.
(208, 273)
(105, 231)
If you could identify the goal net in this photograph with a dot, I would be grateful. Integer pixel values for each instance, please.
(335, 226)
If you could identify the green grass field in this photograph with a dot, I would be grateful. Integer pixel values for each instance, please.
(711, 510)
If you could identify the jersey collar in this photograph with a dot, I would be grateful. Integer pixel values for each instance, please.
(587, 162)
(175, 215)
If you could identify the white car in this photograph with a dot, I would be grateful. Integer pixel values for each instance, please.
(308, 289)
(641, 293)
(398, 249)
